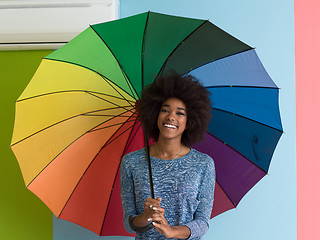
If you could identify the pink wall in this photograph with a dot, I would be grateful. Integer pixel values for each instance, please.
(307, 43)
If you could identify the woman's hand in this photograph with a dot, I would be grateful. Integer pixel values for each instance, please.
(161, 225)
(160, 222)
(149, 205)
(154, 213)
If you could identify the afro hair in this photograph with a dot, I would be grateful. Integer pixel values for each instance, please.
(189, 91)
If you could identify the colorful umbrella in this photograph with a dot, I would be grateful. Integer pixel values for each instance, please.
(76, 118)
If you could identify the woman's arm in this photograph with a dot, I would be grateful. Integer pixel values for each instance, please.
(127, 194)
(200, 224)
(133, 222)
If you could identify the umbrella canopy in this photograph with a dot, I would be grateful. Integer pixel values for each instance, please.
(76, 118)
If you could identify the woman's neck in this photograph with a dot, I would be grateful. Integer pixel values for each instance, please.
(168, 149)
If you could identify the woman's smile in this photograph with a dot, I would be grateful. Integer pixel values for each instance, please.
(169, 126)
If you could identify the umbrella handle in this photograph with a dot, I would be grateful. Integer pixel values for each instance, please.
(149, 166)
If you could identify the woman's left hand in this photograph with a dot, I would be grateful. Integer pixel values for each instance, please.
(160, 223)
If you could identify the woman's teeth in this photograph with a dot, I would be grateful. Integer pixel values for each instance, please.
(170, 126)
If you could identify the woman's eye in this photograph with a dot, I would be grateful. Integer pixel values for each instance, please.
(164, 110)
(180, 113)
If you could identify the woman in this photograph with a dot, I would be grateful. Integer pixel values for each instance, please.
(175, 112)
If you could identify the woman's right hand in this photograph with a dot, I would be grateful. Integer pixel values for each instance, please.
(150, 205)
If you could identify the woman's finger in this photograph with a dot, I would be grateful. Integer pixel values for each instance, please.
(157, 217)
(158, 210)
(151, 202)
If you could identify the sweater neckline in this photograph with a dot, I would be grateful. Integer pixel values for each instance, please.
(171, 160)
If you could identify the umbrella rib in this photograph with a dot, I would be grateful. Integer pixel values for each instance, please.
(120, 123)
(104, 109)
(88, 168)
(165, 62)
(125, 149)
(142, 50)
(128, 144)
(103, 77)
(133, 91)
(217, 59)
(235, 205)
(218, 109)
(236, 86)
(70, 91)
(110, 141)
(237, 152)
(117, 90)
(105, 215)
(107, 100)
(104, 115)
(226, 193)
(69, 146)
(82, 114)
(162, 68)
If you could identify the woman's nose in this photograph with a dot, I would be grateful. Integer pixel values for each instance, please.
(170, 116)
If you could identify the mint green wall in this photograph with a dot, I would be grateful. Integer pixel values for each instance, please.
(22, 215)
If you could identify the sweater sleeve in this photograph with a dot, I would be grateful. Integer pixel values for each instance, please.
(200, 223)
(127, 194)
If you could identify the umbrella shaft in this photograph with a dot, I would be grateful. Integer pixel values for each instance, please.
(149, 167)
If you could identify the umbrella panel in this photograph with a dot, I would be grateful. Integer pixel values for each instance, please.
(162, 35)
(127, 53)
(205, 45)
(49, 144)
(242, 69)
(255, 104)
(113, 224)
(92, 193)
(89, 51)
(235, 175)
(56, 182)
(251, 139)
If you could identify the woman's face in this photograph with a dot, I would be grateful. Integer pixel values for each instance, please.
(172, 119)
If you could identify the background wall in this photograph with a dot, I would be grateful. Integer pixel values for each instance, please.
(307, 36)
(267, 212)
(269, 209)
(22, 214)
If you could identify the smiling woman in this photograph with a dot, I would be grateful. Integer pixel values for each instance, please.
(174, 111)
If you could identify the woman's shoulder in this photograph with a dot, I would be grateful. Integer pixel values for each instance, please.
(134, 156)
(200, 155)
(201, 158)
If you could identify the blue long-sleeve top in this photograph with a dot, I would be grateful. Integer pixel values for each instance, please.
(186, 186)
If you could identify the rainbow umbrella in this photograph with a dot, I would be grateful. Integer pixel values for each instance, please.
(77, 118)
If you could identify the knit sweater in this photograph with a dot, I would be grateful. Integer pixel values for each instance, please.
(185, 184)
